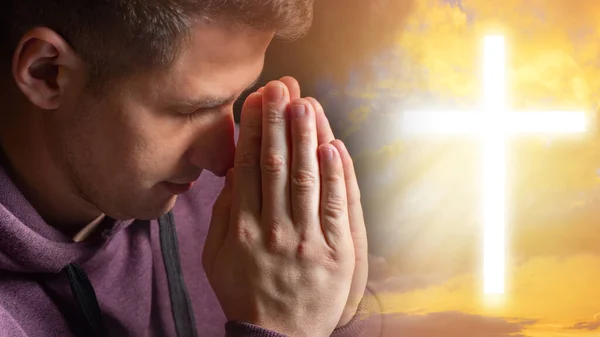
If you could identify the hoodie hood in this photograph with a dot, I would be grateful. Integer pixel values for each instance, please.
(27, 243)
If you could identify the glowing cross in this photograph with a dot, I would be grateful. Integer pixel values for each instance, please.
(493, 125)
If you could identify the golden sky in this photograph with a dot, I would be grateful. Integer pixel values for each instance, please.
(553, 47)
(431, 284)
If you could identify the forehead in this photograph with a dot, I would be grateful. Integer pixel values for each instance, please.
(217, 61)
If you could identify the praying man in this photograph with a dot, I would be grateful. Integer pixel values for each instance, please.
(126, 206)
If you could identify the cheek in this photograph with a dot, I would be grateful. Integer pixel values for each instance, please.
(107, 150)
(154, 152)
(145, 157)
(131, 146)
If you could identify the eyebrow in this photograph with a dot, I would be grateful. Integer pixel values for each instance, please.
(212, 102)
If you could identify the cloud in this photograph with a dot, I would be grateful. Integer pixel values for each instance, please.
(423, 199)
(590, 326)
(452, 324)
(386, 279)
(558, 293)
(553, 55)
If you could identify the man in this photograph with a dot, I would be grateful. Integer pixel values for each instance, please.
(112, 111)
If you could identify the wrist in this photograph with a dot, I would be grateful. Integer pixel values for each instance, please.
(238, 328)
(350, 313)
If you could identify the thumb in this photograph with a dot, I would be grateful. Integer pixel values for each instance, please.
(219, 224)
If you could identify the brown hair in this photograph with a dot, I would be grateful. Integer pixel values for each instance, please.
(119, 37)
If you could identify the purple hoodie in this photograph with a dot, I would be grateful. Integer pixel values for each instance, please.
(42, 287)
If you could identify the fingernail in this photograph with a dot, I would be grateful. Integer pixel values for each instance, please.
(298, 110)
(327, 153)
(275, 92)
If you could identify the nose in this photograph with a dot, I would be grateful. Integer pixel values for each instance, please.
(214, 149)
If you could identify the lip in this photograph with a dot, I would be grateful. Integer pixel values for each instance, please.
(178, 188)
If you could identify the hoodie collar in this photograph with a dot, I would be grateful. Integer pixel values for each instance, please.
(29, 244)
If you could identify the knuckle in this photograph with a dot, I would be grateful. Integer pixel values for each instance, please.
(273, 163)
(303, 251)
(333, 177)
(247, 160)
(334, 206)
(274, 115)
(275, 240)
(243, 233)
(304, 179)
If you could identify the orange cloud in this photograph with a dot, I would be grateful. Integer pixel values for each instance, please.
(422, 198)
(555, 296)
(451, 324)
(553, 48)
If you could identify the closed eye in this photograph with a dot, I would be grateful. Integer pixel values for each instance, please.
(206, 104)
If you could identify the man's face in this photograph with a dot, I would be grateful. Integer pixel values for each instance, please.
(130, 151)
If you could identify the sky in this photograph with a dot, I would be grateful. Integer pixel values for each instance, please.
(421, 196)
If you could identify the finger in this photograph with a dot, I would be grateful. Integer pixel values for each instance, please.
(358, 229)
(324, 132)
(261, 89)
(334, 207)
(293, 87)
(219, 224)
(275, 157)
(304, 178)
(355, 211)
(247, 175)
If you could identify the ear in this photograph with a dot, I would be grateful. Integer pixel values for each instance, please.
(44, 66)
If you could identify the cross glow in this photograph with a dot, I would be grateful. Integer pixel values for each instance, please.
(494, 166)
(493, 126)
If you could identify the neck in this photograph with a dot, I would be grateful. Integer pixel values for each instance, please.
(31, 161)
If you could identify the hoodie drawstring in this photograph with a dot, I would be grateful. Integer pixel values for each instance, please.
(87, 303)
(181, 304)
